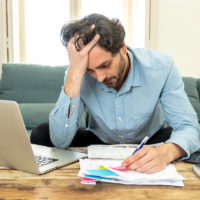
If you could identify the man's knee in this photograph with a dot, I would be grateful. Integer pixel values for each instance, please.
(40, 135)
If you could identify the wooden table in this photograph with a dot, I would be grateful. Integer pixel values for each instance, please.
(64, 184)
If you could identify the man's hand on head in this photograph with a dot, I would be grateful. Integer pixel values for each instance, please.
(78, 58)
(78, 62)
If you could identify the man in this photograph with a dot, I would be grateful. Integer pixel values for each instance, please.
(128, 93)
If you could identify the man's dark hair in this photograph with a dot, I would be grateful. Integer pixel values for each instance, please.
(111, 32)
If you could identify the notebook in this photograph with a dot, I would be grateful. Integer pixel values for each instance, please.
(17, 152)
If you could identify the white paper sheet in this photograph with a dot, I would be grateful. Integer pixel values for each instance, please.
(168, 176)
(117, 151)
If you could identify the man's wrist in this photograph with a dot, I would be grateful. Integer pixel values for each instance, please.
(73, 83)
(170, 152)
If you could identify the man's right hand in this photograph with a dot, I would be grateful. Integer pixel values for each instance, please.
(78, 65)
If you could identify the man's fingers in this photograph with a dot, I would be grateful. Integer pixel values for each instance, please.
(86, 48)
(70, 43)
(92, 27)
(131, 159)
(140, 162)
(147, 160)
(92, 43)
(143, 167)
(80, 42)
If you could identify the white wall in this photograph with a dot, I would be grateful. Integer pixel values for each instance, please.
(175, 29)
(2, 33)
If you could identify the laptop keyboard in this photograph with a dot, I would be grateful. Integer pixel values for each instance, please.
(41, 161)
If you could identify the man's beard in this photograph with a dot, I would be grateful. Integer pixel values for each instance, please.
(120, 72)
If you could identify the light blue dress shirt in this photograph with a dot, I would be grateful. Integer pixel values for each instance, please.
(152, 93)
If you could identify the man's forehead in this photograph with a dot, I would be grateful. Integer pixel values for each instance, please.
(98, 56)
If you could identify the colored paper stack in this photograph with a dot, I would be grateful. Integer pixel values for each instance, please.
(99, 170)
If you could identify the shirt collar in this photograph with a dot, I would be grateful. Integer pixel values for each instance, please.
(134, 78)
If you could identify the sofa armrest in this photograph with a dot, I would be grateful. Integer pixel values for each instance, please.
(192, 91)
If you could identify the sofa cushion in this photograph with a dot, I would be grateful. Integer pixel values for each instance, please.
(35, 113)
(198, 86)
(192, 92)
(31, 83)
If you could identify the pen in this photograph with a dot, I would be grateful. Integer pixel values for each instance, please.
(144, 141)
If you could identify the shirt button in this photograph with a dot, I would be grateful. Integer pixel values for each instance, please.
(122, 136)
(119, 118)
(66, 125)
(73, 105)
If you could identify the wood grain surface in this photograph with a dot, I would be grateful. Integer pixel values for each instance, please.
(64, 183)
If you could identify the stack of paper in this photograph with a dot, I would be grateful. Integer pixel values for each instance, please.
(104, 159)
(94, 170)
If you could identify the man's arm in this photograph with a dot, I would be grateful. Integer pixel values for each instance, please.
(180, 114)
(78, 66)
(69, 108)
(185, 138)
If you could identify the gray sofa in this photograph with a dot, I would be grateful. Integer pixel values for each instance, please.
(36, 89)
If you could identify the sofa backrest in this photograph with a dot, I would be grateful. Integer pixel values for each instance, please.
(192, 89)
(28, 83)
(198, 86)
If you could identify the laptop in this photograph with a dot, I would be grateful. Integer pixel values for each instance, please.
(17, 152)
